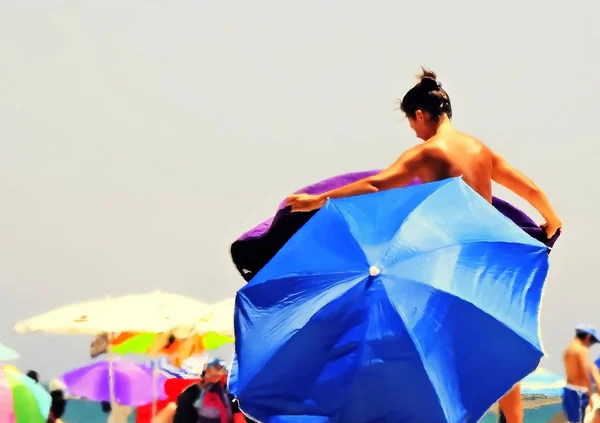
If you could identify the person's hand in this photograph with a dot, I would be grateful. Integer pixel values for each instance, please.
(552, 227)
(305, 202)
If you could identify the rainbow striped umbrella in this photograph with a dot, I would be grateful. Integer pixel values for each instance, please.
(142, 343)
(22, 400)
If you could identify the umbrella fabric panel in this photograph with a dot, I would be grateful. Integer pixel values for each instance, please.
(152, 343)
(30, 402)
(481, 273)
(151, 312)
(191, 368)
(133, 383)
(7, 354)
(6, 403)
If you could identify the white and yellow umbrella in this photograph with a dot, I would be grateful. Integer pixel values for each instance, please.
(152, 312)
(218, 318)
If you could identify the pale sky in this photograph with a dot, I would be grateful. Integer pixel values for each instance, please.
(138, 139)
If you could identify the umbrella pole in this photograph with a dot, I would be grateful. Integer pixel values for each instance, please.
(154, 390)
(111, 375)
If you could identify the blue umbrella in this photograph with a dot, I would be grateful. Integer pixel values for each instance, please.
(391, 307)
(7, 354)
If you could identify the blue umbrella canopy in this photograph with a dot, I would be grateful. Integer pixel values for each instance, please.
(544, 383)
(391, 307)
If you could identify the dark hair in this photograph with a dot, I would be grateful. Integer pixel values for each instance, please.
(427, 95)
(582, 336)
(32, 374)
(171, 340)
(59, 404)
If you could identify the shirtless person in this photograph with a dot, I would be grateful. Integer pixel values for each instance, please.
(580, 371)
(446, 153)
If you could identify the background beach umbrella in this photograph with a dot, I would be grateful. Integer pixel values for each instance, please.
(134, 383)
(391, 307)
(156, 312)
(251, 251)
(7, 354)
(22, 400)
(154, 343)
(191, 368)
(212, 331)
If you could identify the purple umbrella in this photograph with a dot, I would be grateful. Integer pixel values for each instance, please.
(132, 383)
(255, 248)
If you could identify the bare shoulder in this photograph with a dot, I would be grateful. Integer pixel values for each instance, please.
(580, 351)
(434, 146)
(414, 153)
(474, 142)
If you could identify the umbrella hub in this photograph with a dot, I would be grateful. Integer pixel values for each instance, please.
(374, 271)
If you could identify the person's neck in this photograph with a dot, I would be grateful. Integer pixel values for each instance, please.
(444, 126)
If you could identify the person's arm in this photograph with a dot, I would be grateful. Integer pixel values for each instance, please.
(586, 368)
(399, 174)
(509, 177)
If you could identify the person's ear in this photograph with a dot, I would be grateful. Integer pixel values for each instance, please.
(419, 115)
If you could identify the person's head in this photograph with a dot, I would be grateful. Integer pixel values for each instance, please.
(587, 335)
(426, 105)
(106, 408)
(214, 371)
(32, 374)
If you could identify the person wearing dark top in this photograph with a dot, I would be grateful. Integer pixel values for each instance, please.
(58, 406)
(186, 411)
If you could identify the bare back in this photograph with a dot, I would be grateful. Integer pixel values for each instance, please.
(457, 154)
(576, 364)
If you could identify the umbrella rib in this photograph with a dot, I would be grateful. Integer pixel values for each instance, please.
(421, 354)
(360, 359)
(408, 216)
(356, 242)
(283, 277)
(458, 244)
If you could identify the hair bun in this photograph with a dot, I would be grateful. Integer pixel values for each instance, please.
(429, 84)
(429, 80)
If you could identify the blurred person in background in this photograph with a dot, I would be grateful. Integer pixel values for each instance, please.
(32, 374)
